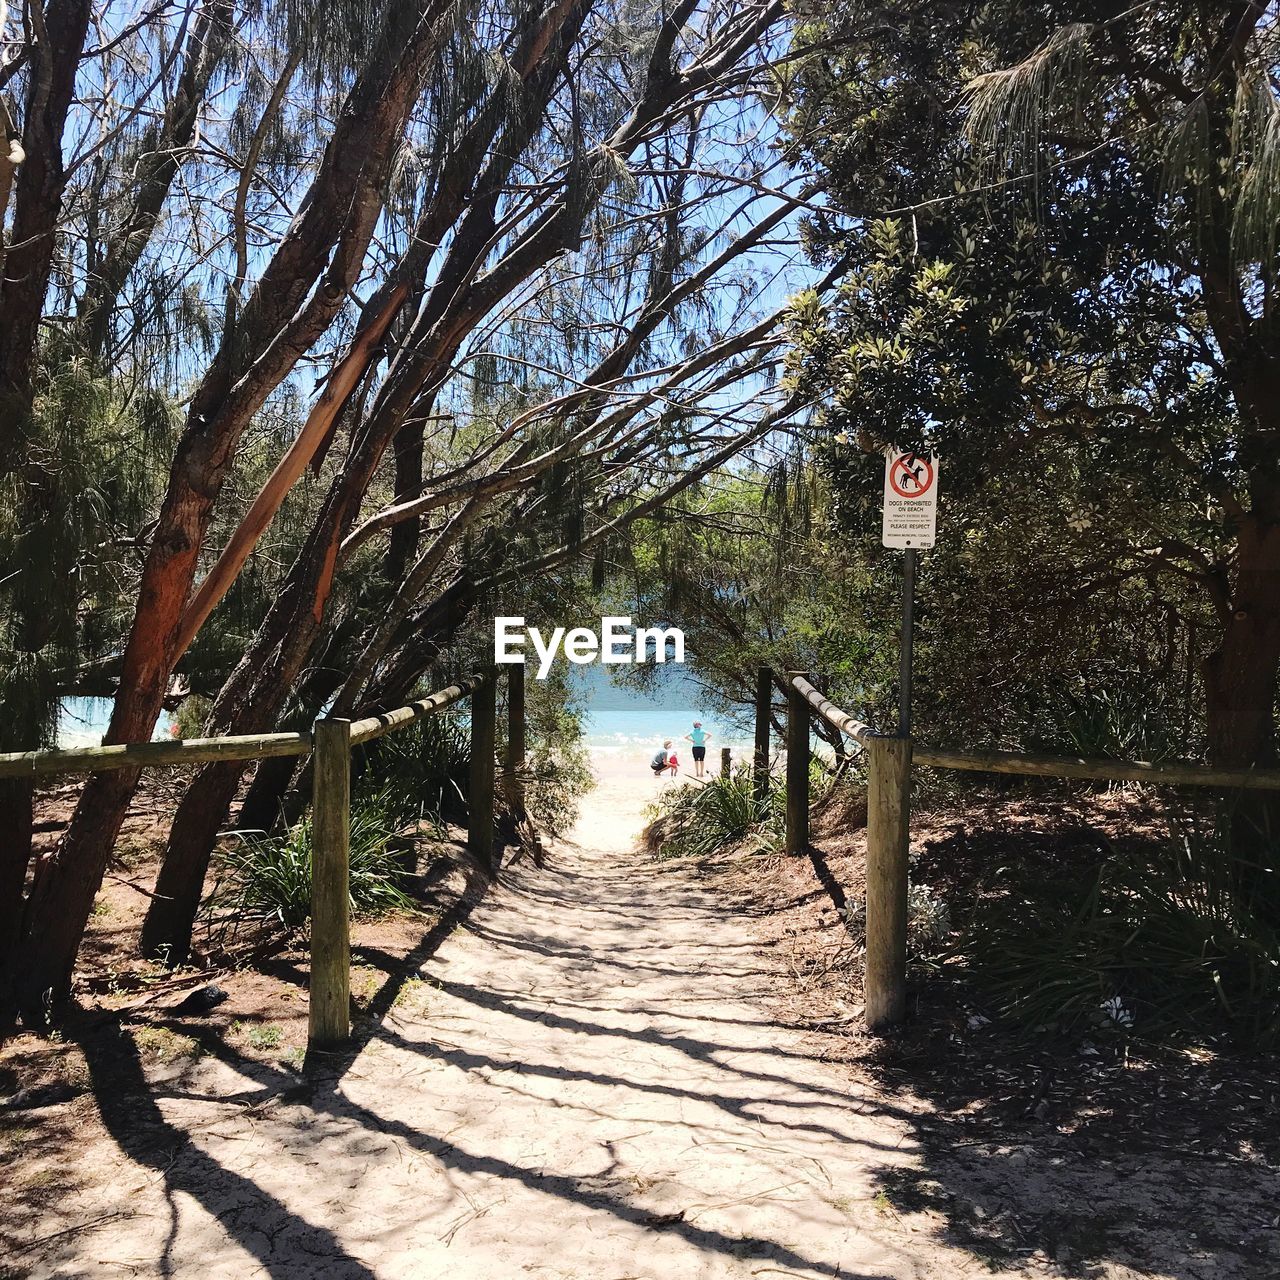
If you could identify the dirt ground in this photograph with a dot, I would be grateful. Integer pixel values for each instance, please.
(609, 1069)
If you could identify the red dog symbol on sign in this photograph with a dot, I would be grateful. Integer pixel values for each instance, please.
(911, 476)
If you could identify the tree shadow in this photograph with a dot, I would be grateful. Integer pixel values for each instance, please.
(1079, 1151)
(128, 1106)
(287, 1245)
(1024, 1164)
(129, 1110)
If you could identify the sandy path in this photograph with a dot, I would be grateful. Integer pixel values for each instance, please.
(589, 1087)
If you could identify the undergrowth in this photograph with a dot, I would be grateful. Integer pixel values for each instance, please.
(556, 780)
(698, 818)
(1183, 940)
(419, 773)
(269, 877)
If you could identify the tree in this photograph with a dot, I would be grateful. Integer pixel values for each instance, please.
(1059, 229)
(527, 196)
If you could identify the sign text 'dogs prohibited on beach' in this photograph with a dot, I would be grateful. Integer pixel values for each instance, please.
(910, 500)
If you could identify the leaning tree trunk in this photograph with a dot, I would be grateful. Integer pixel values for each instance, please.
(1241, 678)
(285, 315)
(166, 931)
(15, 856)
(203, 809)
(263, 806)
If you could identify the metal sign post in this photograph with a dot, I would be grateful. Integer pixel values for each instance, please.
(904, 657)
(910, 523)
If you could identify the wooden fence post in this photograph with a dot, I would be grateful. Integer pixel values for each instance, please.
(513, 765)
(484, 715)
(726, 766)
(760, 760)
(329, 1011)
(797, 769)
(888, 839)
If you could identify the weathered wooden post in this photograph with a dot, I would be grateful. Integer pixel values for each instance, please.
(484, 716)
(797, 768)
(888, 840)
(725, 766)
(329, 1012)
(760, 760)
(513, 765)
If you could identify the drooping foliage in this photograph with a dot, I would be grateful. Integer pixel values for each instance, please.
(430, 299)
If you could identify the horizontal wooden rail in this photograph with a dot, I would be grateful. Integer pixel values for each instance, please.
(1178, 773)
(376, 726)
(257, 746)
(137, 755)
(889, 763)
(331, 741)
(832, 714)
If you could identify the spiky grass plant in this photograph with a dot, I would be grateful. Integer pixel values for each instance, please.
(419, 773)
(698, 820)
(1182, 941)
(269, 878)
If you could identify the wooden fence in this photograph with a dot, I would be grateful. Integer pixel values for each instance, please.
(330, 743)
(889, 762)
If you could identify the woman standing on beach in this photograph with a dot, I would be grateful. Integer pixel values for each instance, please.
(699, 737)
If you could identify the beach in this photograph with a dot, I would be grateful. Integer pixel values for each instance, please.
(626, 790)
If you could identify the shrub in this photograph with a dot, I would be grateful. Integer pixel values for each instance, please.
(269, 877)
(558, 773)
(558, 778)
(419, 772)
(928, 921)
(189, 719)
(1184, 940)
(695, 820)
(1127, 716)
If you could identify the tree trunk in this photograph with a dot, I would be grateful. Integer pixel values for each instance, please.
(62, 896)
(404, 536)
(37, 208)
(15, 857)
(284, 316)
(166, 931)
(263, 803)
(1240, 677)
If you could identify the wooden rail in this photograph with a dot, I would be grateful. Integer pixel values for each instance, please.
(889, 761)
(1175, 773)
(376, 726)
(329, 1014)
(829, 712)
(152, 755)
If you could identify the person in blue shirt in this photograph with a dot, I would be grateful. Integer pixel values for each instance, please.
(699, 737)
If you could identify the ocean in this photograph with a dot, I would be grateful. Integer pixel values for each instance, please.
(616, 720)
(620, 720)
(83, 721)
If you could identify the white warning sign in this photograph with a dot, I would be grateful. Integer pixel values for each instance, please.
(910, 500)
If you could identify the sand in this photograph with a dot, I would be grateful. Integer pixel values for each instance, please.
(586, 1083)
